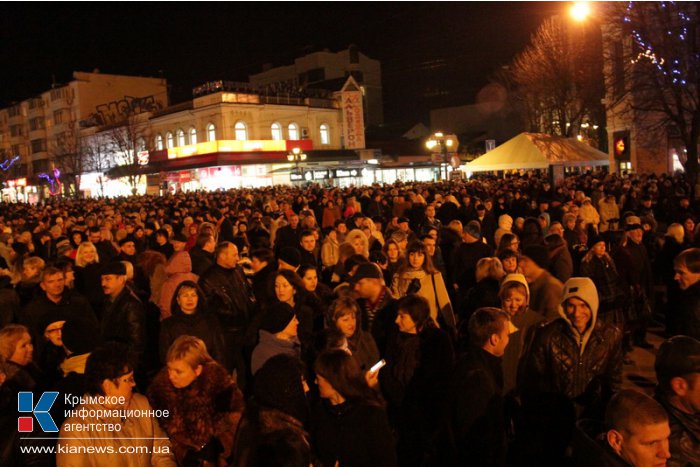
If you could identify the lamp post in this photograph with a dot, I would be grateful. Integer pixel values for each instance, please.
(441, 145)
(296, 156)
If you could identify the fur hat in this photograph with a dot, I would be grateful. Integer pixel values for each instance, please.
(473, 228)
(115, 267)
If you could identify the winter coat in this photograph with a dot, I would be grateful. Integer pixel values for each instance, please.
(210, 407)
(463, 263)
(228, 296)
(589, 215)
(136, 432)
(475, 427)
(590, 449)
(352, 434)
(586, 368)
(545, 295)
(684, 442)
(524, 322)
(505, 225)
(414, 383)
(440, 306)
(199, 324)
(124, 321)
(269, 346)
(9, 302)
(561, 264)
(88, 282)
(607, 212)
(201, 260)
(611, 293)
(688, 311)
(178, 269)
(330, 252)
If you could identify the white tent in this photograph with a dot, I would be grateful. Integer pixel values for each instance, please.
(538, 151)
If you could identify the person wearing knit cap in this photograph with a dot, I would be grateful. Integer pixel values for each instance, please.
(515, 300)
(278, 335)
(575, 356)
(545, 289)
(289, 258)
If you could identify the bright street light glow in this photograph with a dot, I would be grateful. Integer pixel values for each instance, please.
(580, 11)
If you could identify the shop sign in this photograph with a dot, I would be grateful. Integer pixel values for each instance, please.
(321, 174)
(344, 173)
(17, 182)
(353, 119)
(296, 177)
(142, 157)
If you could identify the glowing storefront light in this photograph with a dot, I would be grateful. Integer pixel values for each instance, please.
(209, 147)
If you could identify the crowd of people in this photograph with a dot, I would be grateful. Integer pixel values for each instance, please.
(482, 322)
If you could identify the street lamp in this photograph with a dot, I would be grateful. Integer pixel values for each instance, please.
(580, 11)
(441, 145)
(296, 156)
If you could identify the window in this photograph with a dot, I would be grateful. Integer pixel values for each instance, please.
(16, 130)
(38, 145)
(57, 94)
(241, 131)
(193, 135)
(58, 117)
(170, 141)
(325, 134)
(36, 124)
(276, 131)
(181, 137)
(211, 132)
(293, 130)
(15, 111)
(159, 142)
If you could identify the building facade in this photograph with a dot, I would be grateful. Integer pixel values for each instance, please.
(37, 132)
(329, 70)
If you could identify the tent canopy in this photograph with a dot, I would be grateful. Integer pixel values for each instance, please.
(538, 151)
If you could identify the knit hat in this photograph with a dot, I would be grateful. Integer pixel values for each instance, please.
(63, 246)
(538, 254)
(126, 240)
(596, 239)
(277, 317)
(582, 288)
(179, 237)
(80, 336)
(367, 271)
(677, 356)
(473, 228)
(633, 223)
(290, 255)
(115, 267)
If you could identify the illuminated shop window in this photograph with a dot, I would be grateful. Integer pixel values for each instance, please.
(159, 142)
(211, 132)
(325, 134)
(241, 131)
(181, 137)
(170, 141)
(193, 136)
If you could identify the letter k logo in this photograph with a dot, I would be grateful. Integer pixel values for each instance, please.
(25, 403)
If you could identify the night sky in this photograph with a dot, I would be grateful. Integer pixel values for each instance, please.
(449, 49)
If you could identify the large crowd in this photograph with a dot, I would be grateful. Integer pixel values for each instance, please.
(482, 322)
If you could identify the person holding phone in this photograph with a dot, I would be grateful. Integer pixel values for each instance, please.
(349, 424)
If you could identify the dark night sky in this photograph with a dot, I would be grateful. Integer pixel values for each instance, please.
(191, 43)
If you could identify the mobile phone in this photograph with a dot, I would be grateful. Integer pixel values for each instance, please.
(377, 366)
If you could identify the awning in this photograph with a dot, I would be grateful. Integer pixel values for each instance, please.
(538, 151)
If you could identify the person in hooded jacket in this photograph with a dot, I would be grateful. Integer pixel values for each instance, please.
(570, 368)
(561, 264)
(179, 269)
(189, 317)
(505, 225)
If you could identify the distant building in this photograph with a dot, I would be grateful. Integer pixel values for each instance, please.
(329, 70)
(44, 128)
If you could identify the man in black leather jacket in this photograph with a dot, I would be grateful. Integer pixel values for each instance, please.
(229, 297)
(124, 316)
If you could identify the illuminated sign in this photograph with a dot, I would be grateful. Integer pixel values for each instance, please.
(263, 145)
(296, 177)
(142, 157)
(343, 173)
(16, 183)
(321, 174)
(353, 120)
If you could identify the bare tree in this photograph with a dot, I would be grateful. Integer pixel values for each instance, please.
(655, 71)
(125, 140)
(557, 81)
(95, 156)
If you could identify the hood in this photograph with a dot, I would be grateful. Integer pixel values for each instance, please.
(584, 289)
(505, 222)
(179, 263)
(520, 279)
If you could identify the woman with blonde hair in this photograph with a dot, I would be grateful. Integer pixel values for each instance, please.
(359, 242)
(88, 274)
(203, 402)
(17, 351)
